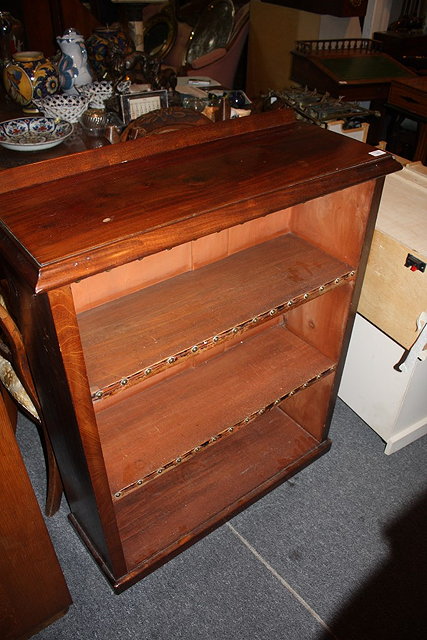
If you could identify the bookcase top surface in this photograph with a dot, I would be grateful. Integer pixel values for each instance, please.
(74, 226)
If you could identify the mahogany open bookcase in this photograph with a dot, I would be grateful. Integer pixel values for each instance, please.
(186, 301)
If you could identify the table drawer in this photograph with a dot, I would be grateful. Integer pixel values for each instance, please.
(408, 98)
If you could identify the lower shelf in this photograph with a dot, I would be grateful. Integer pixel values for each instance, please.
(170, 421)
(185, 503)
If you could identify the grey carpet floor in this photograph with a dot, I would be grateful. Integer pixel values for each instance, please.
(339, 551)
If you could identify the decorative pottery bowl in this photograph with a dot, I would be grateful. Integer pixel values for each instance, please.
(33, 134)
(65, 107)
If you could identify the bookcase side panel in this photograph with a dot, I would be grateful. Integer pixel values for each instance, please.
(79, 451)
(336, 222)
(34, 318)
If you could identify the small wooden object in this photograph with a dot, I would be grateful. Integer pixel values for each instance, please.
(185, 300)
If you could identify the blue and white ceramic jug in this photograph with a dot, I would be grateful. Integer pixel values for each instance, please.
(73, 66)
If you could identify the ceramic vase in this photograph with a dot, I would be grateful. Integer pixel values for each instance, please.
(74, 68)
(30, 75)
(103, 45)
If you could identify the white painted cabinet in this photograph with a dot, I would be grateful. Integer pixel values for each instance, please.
(393, 298)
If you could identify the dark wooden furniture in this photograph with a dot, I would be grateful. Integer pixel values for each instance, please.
(409, 47)
(17, 383)
(408, 99)
(353, 68)
(33, 592)
(44, 20)
(339, 8)
(185, 300)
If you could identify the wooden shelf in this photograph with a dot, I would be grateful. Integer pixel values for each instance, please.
(125, 337)
(185, 302)
(212, 486)
(167, 421)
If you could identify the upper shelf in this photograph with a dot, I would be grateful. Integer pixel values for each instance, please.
(150, 196)
(204, 308)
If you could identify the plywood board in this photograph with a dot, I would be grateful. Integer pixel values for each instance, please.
(393, 296)
(403, 209)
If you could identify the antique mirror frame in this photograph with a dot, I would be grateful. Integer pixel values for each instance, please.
(212, 31)
(160, 32)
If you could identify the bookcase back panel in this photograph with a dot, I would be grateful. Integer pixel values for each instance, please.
(138, 274)
(323, 321)
(311, 407)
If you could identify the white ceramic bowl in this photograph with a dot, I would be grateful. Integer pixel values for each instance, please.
(65, 107)
(101, 90)
(97, 92)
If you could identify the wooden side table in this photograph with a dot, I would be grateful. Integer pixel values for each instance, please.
(351, 68)
(408, 99)
(394, 296)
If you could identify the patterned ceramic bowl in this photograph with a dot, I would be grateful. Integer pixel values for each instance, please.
(33, 134)
(65, 107)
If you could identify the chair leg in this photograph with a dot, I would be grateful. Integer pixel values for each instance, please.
(21, 387)
(54, 488)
